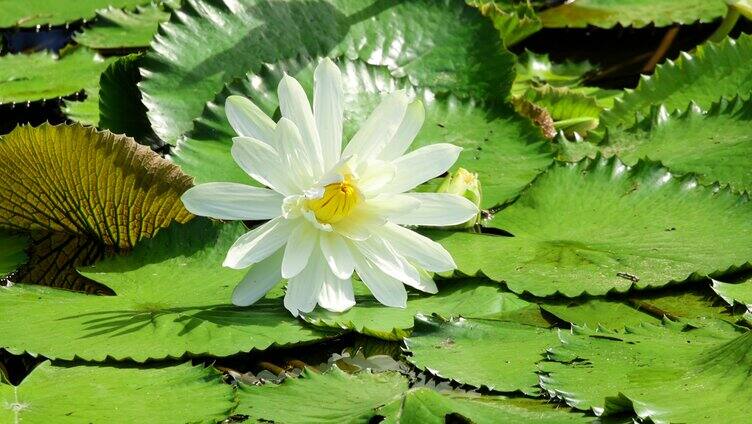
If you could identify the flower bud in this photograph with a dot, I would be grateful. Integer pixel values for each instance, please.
(466, 184)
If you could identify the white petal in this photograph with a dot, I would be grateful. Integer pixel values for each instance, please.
(303, 238)
(258, 244)
(408, 129)
(424, 251)
(361, 223)
(427, 284)
(248, 120)
(382, 255)
(294, 105)
(375, 175)
(421, 165)
(328, 105)
(293, 154)
(379, 128)
(261, 278)
(262, 163)
(387, 290)
(303, 289)
(437, 210)
(337, 254)
(391, 205)
(336, 294)
(232, 201)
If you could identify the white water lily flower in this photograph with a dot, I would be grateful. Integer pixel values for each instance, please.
(332, 212)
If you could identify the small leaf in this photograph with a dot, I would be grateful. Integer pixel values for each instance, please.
(595, 313)
(514, 21)
(634, 13)
(498, 355)
(173, 299)
(116, 28)
(64, 393)
(735, 293)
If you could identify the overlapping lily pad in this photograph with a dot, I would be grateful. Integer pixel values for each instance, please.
(63, 393)
(465, 297)
(443, 45)
(12, 254)
(735, 293)
(717, 145)
(665, 373)
(172, 299)
(496, 354)
(599, 226)
(26, 77)
(336, 397)
(635, 13)
(514, 20)
(504, 149)
(711, 71)
(598, 312)
(118, 28)
(120, 108)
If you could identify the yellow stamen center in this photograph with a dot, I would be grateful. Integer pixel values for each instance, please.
(338, 202)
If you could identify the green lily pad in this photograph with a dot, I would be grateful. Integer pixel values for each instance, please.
(504, 149)
(663, 373)
(12, 253)
(26, 77)
(442, 45)
(634, 13)
(495, 354)
(598, 226)
(173, 299)
(64, 393)
(30, 13)
(465, 297)
(335, 397)
(716, 146)
(117, 28)
(598, 312)
(711, 71)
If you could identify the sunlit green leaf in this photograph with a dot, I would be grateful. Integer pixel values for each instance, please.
(30, 13)
(495, 354)
(27, 77)
(595, 312)
(735, 293)
(598, 226)
(665, 373)
(442, 45)
(64, 393)
(173, 299)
